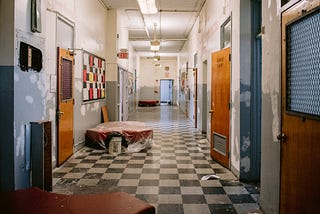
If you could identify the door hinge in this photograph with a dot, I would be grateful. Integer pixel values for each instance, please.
(229, 57)
(229, 105)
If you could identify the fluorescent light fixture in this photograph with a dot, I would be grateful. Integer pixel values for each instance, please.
(155, 45)
(147, 6)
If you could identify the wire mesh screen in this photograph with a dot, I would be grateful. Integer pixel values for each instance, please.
(303, 65)
(66, 81)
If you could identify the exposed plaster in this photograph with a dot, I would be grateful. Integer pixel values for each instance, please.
(235, 151)
(33, 78)
(52, 114)
(245, 164)
(83, 110)
(20, 141)
(41, 84)
(246, 143)
(78, 86)
(275, 111)
(95, 107)
(245, 98)
(16, 77)
(29, 99)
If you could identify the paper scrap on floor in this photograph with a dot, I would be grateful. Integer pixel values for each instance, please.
(208, 177)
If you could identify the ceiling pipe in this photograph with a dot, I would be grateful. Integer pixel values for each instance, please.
(195, 19)
(163, 39)
(169, 11)
(178, 11)
(144, 21)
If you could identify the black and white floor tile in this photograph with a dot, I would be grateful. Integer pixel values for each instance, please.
(167, 176)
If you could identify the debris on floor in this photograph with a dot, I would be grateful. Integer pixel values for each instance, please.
(208, 177)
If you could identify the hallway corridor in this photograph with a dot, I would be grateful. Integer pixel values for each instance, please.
(168, 175)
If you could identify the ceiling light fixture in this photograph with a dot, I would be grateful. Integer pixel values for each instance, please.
(155, 44)
(156, 58)
(147, 6)
(158, 65)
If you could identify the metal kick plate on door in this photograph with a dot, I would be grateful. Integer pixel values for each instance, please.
(220, 143)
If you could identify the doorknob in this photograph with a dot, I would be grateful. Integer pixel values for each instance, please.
(59, 113)
(282, 137)
(211, 111)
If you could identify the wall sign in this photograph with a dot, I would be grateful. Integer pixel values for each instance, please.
(94, 77)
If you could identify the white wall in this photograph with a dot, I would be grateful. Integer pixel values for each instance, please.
(150, 76)
(271, 104)
(89, 20)
(90, 35)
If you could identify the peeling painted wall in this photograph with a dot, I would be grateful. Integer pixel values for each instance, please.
(271, 96)
(245, 89)
(203, 40)
(235, 89)
(31, 99)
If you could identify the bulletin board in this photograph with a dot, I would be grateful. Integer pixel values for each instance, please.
(94, 77)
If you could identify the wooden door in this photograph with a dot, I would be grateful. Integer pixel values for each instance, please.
(65, 105)
(220, 106)
(195, 97)
(300, 147)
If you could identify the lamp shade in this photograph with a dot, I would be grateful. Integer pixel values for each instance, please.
(155, 45)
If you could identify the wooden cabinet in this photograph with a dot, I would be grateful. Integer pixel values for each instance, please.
(41, 156)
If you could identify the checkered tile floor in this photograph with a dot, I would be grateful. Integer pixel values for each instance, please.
(168, 175)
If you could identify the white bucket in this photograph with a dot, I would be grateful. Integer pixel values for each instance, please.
(115, 145)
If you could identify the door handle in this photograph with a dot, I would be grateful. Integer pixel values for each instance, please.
(211, 111)
(282, 137)
(59, 113)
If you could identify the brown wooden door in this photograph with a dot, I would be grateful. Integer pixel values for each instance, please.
(65, 105)
(300, 146)
(195, 96)
(220, 104)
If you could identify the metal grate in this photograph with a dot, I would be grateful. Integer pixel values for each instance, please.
(303, 65)
(66, 81)
(219, 144)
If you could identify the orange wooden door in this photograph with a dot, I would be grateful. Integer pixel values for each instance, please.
(220, 104)
(195, 97)
(300, 147)
(65, 105)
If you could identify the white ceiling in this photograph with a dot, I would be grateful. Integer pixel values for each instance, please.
(174, 22)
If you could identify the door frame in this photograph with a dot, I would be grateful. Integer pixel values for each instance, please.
(195, 96)
(204, 94)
